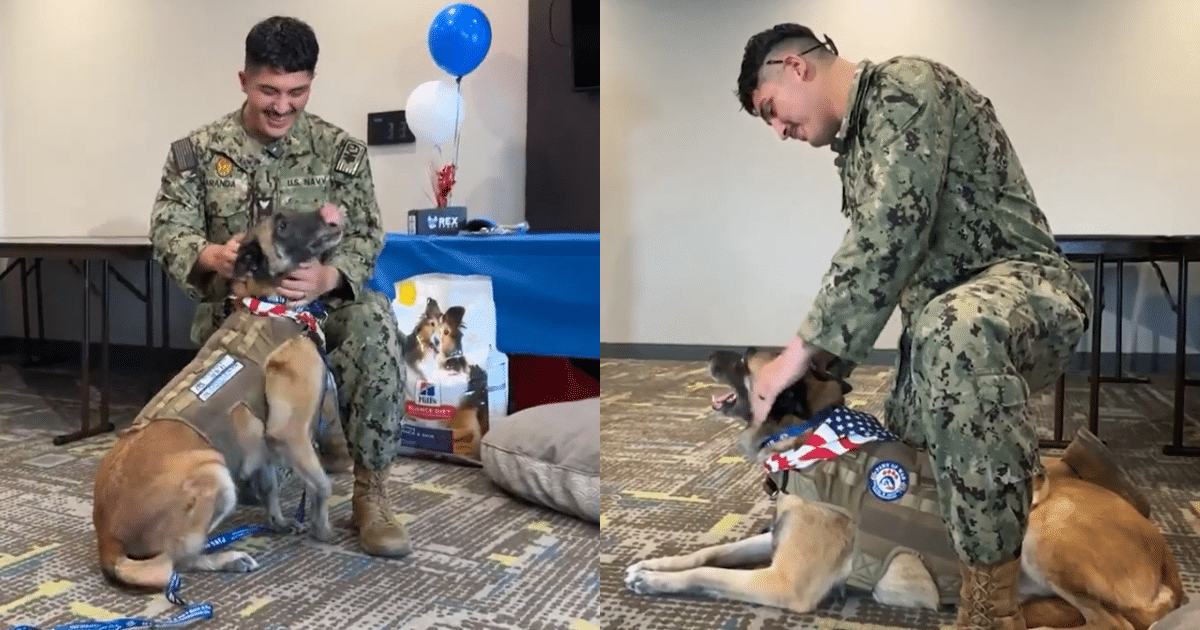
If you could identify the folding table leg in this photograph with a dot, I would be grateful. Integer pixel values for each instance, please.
(85, 389)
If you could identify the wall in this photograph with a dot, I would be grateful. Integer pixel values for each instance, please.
(94, 92)
(717, 233)
(562, 172)
(4, 316)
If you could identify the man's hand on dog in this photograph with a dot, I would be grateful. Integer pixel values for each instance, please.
(782, 372)
(220, 258)
(308, 282)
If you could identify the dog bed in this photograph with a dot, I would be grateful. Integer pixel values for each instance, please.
(549, 455)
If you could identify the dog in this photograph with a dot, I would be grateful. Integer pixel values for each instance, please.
(1065, 583)
(420, 346)
(170, 478)
(470, 420)
(450, 348)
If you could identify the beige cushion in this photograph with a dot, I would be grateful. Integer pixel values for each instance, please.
(1186, 617)
(549, 454)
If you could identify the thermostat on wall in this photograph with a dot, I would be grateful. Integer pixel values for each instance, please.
(388, 128)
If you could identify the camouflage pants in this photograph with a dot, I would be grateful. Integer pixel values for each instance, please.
(967, 365)
(363, 344)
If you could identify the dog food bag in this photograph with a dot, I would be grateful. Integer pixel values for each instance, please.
(457, 383)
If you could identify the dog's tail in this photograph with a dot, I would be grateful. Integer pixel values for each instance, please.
(148, 575)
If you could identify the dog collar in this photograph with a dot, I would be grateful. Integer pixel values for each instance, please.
(789, 433)
(278, 309)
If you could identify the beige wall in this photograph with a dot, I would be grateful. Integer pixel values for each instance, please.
(94, 91)
(715, 232)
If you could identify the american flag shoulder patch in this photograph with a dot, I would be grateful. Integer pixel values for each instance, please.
(184, 155)
(350, 157)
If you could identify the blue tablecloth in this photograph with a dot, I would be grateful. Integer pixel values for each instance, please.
(546, 286)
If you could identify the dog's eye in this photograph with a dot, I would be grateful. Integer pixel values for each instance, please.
(281, 223)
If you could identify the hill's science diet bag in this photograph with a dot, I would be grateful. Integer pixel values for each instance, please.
(457, 383)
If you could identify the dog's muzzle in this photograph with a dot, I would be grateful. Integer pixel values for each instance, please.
(726, 401)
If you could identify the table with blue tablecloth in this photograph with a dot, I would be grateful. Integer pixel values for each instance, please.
(546, 287)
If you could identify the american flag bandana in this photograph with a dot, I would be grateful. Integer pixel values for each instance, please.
(842, 431)
(260, 307)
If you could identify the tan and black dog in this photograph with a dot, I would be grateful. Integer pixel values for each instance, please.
(249, 402)
(1067, 581)
(420, 346)
(450, 342)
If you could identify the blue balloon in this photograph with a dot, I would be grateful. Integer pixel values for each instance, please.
(459, 38)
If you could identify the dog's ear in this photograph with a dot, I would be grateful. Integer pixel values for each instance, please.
(251, 260)
(454, 316)
(432, 310)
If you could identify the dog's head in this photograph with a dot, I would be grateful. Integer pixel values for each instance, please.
(452, 325)
(426, 327)
(794, 405)
(279, 244)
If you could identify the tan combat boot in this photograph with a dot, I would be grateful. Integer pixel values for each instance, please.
(990, 599)
(380, 533)
(1092, 461)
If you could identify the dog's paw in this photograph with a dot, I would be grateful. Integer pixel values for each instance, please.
(241, 562)
(634, 568)
(324, 533)
(644, 581)
(288, 526)
(665, 563)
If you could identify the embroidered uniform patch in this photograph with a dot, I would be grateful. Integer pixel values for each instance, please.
(216, 377)
(350, 156)
(888, 481)
(224, 166)
(184, 155)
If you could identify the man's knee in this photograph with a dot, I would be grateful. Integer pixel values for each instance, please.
(363, 340)
(958, 332)
(366, 323)
(371, 312)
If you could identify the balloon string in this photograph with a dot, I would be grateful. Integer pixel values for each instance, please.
(457, 108)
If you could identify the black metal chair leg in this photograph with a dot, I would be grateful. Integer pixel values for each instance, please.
(1176, 446)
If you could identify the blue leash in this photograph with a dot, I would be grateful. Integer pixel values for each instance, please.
(191, 612)
(204, 610)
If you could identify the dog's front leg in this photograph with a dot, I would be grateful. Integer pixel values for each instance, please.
(229, 561)
(809, 556)
(753, 551)
(269, 481)
(766, 587)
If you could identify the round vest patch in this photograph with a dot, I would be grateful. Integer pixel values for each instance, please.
(888, 481)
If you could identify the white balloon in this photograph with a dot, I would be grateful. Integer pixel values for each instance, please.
(433, 111)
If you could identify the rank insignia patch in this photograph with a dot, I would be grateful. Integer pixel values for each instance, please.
(224, 166)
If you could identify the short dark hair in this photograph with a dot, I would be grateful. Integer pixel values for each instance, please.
(758, 47)
(284, 44)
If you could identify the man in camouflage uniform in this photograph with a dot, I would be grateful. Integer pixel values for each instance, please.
(220, 179)
(943, 224)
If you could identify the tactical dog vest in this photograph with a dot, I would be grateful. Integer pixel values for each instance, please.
(886, 487)
(229, 369)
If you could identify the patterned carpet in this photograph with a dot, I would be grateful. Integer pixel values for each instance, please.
(483, 560)
(675, 481)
